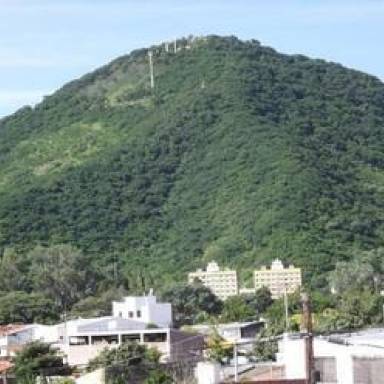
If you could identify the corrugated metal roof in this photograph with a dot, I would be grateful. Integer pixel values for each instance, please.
(112, 324)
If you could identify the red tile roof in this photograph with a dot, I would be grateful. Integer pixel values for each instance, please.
(9, 329)
(5, 366)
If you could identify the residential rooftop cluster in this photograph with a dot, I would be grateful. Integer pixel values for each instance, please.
(141, 319)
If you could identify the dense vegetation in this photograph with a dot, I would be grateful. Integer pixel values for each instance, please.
(131, 362)
(240, 154)
(39, 359)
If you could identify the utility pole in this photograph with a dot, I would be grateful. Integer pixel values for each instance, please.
(151, 69)
(115, 269)
(308, 338)
(175, 45)
(236, 376)
(286, 309)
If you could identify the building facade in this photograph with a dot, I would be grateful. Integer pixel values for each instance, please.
(82, 340)
(145, 309)
(136, 318)
(222, 282)
(278, 279)
(342, 359)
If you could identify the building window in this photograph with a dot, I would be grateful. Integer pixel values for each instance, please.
(79, 340)
(105, 339)
(138, 314)
(131, 337)
(120, 314)
(130, 314)
(155, 337)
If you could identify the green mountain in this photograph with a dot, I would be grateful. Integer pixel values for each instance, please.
(239, 153)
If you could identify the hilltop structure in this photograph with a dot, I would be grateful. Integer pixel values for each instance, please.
(277, 279)
(222, 282)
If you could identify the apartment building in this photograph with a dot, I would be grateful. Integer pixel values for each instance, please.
(222, 282)
(278, 279)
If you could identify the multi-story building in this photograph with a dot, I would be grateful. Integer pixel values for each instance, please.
(222, 282)
(278, 279)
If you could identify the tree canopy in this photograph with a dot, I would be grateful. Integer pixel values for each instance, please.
(275, 156)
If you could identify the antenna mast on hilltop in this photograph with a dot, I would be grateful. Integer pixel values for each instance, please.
(151, 69)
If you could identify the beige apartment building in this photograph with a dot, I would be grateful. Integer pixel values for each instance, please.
(222, 282)
(278, 279)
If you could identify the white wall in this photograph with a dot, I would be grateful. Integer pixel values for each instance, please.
(150, 310)
(95, 377)
(207, 373)
(292, 355)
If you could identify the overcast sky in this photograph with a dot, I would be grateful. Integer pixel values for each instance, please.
(45, 43)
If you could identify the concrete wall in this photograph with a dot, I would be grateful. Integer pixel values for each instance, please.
(150, 310)
(95, 377)
(292, 355)
(81, 354)
(207, 373)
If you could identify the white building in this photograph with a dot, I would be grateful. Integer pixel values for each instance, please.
(278, 279)
(348, 359)
(247, 291)
(83, 339)
(222, 282)
(13, 337)
(245, 331)
(139, 319)
(145, 309)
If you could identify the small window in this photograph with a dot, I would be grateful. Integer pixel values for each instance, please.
(105, 339)
(138, 314)
(131, 337)
(79, 340)
(130, 314)
(120, 314)
(155, 337)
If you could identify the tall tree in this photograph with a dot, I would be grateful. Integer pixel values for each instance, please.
(22, 307)
(357, 274)
(37, 359)
(189, 302)
(236, 309)
(13, 271)
(63, 273)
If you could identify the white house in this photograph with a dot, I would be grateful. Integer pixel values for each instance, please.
(145, 309)
(140, 319)
(83, 339)
(341, 359)
(13, 337)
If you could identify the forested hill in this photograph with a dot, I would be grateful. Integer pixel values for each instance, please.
(240, 153)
